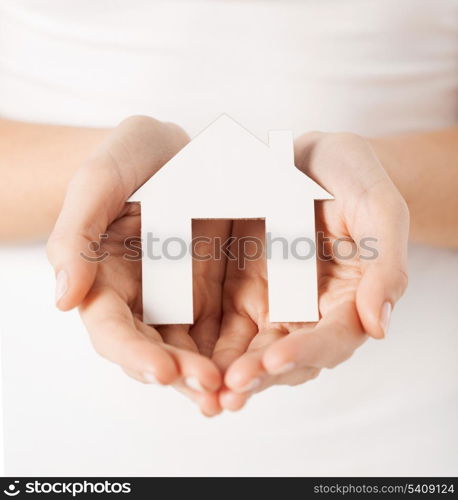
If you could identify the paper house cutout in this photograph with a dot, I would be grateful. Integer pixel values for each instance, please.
(228, 173)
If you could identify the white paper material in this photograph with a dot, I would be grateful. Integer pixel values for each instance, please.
(226, 172)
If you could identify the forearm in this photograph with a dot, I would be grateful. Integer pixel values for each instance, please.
(36, 163)
(424, 167)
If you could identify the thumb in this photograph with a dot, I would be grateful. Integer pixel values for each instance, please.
(384, 277)
(96, 195)
(378, 292)
(92, 201)
(374, 213)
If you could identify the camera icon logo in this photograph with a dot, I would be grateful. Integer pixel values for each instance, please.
(13, 489)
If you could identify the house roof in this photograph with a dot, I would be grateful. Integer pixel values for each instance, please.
(227, 162)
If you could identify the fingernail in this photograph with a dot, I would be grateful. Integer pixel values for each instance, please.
(250, 386)
(150, 378)
(283, 369)
(385, 317)
(61, 285)
(194, 384)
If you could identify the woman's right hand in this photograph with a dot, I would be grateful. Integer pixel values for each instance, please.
(361, 267)
(107, 287)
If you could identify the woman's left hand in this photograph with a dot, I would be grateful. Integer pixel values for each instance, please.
(356, 294)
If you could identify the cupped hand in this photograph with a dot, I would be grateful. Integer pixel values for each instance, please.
(355, 294)
(96, 271)
(361, 275)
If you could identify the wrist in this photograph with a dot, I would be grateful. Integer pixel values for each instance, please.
(390, 155)
(342, 162)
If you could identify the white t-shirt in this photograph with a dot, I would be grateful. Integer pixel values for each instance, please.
(368, 66)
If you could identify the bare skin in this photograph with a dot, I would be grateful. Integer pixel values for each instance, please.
(355, 295)
(231, 351)
(231, 323)
(178, 355)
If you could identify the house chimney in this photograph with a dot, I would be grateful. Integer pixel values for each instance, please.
(281, 145)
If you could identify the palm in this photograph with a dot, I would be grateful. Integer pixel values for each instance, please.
(117, 291)
(121, 275)
(246, 331)
(231, 322)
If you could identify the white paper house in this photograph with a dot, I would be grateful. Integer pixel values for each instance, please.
(226, 172)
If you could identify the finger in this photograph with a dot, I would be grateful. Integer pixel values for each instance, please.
(236, 334)
(199, 373)
(375, 213)
(245, 297)
(205, 333)
(113, 333)
(97, 194)
(331, 342)
(208, 403)
(209, 265)
(175, 335)
(232, 401)
(384, 278)
(295, 377)
(247, 372)
(144, 378)
(235, 401)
